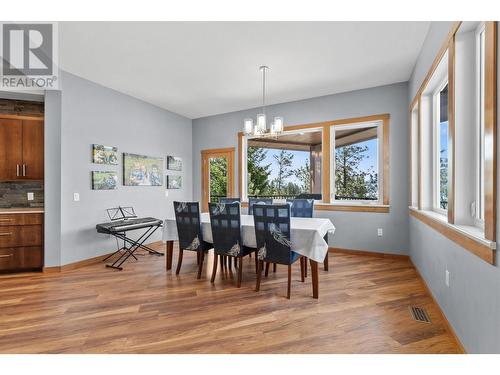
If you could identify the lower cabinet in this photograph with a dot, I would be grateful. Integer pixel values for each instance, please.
(21, 242)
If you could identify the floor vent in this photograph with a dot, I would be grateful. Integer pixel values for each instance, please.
(419, 314)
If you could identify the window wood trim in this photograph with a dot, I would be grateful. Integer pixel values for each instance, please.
(205, 183)
(452, 232)
(326, 205)
(490, 160)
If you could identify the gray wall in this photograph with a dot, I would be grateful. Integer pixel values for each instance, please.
(472, 302)
(91, 113)
(354, 230)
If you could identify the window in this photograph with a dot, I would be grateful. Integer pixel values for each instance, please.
(286, 166)
(342, 164)
(356, 166)
(453, 179)
(441, 148)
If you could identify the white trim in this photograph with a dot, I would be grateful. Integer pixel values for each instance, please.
(436, 142)
(479, 198)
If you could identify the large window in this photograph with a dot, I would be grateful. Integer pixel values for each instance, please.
(356, 162)
(341, 164)
(285, 167)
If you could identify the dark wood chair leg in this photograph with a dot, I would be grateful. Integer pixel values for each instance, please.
(214, 269)
(259, 272)
(274, 267)
(235, 262)
(179, 262)
(302, 277)
(221, 257)
(170, 253)
(240, 270)
(289, 281)
(198, 257)
(256, 264)
(267, 269)
(230, 264)
(200, 265)
(314, 276)
(305, 267)
(325, 263)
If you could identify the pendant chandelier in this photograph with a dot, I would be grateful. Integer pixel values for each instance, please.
(260, 129)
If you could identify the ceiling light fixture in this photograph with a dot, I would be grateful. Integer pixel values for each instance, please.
(260, 129)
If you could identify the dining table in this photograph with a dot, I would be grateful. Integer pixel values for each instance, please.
(309, 238)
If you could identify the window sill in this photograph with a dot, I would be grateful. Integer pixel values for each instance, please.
(359, 207)
(469, 237)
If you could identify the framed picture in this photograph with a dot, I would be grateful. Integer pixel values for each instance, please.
(174, 182)
(104, 180)
(141, 170)
(104, 154)
(174, 163)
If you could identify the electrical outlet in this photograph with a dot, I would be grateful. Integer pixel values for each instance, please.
(380, 232)
(166, 193)
(31, 196)
(76, 197)
(447, 278)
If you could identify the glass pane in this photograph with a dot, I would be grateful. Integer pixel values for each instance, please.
(218, 178)
(443, 148)
(286, 166)
(356, 164)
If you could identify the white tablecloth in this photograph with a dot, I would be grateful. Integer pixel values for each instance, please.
(307, 234)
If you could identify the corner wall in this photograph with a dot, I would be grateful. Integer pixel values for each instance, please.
(355, 230)
(472, 302)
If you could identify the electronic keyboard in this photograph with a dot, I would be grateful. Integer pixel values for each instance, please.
(127, 224)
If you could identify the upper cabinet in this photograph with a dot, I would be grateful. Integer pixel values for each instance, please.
(21, 149)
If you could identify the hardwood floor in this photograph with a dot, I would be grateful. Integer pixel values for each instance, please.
(363, 308)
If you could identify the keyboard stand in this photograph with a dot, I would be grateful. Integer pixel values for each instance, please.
(133, 247)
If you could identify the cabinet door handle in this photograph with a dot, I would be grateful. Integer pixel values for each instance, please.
(24, 169)
(5, 219)
(6, 256)
(6, 234)
(17, 170)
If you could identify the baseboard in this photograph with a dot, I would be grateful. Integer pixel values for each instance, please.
(75, 265)
(367, 253)
(446, 322)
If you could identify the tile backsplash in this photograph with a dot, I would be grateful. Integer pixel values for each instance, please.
(15, 194)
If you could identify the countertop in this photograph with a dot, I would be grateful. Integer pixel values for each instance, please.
(22, 210)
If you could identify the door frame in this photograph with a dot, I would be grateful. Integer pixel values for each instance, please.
(227, 153)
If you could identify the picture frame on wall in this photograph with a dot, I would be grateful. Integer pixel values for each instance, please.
(104, 180)
(174, 163)
(174, 182)
(104, 154)
(142, 170)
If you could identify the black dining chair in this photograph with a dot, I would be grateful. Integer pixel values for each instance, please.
(253, 201)
(225, 220)
(301, 207)
(187, 217)
(272, 232)
(229, 200)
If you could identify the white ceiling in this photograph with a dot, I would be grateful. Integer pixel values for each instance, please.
(199, 69)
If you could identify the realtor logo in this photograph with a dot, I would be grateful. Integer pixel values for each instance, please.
(28, 56)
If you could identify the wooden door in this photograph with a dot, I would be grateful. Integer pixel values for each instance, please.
(32, 166)
(10, 149)
(208, 157)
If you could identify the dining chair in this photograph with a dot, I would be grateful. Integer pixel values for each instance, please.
(272, 232)
(301, 207)
(229, 200)
(253, 201)
(225, 220)
(187, 217)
